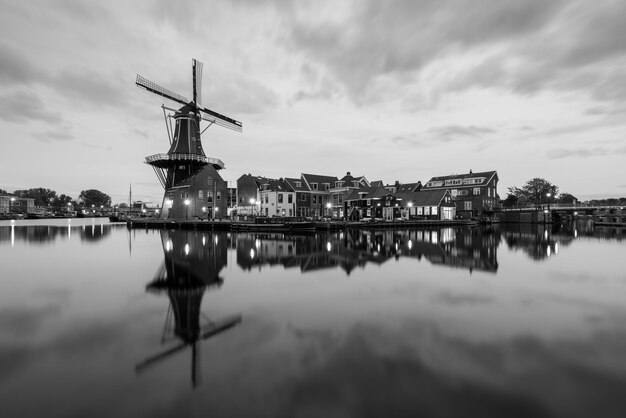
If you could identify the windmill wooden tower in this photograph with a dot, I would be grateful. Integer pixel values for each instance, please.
(193, 186)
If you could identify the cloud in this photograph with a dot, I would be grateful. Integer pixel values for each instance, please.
(15, 69)
(450, 132)
(25, 106)
(557, 153)
(86, 89)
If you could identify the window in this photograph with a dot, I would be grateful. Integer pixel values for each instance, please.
(426, 210)
(298, 184)
(314, 186)
(219, 195)
(338, 183)
(209, 181)
(467, 205)
(289, 200)
(476, 191)
(266, 199)
(290, 212)
(433, 210)
(314, 199)
(200, 194)
(303, 197)
(454, 192)
(280, 198)
(355, 184)
(209, 197)
(326, 186)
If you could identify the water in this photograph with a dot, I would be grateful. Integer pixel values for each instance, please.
(511, 321)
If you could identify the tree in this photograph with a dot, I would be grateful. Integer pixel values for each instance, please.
(62, 201)
(94, 197)
(535, 191)
(510, 201)
(3, 192)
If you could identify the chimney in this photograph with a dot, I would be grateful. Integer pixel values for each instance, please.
(470, 171)
(348, 173)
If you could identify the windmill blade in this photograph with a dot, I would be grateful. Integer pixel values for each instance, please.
(221, 120)
(222, 326)
(197, 82)
(160, 356)
(156, 89)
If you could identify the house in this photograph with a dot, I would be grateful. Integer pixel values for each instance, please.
(303, 196)
(248, 192)
(14, 204)
(278, 199)
(319, 190)
(428, 204)
(372, 202)
(474, 193)
(341, 190)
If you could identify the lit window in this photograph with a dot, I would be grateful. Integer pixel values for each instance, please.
(476, 191)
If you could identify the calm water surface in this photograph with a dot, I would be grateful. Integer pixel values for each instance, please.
(511, 321)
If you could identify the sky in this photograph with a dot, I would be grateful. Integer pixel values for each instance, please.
(393, 90)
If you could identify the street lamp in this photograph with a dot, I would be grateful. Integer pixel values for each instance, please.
(11, 204)
(186, 207)
(548, 196)
(216, 210)
(329, 206)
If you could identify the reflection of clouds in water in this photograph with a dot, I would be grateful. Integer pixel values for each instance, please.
(455, 298)
(24, 321)
(418, 371)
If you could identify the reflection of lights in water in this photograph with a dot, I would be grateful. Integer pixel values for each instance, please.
(69, 231)
(186, 249)
(12, 234)
(575, 233)
(203, 240)
(328, 247)
(341, 235)
(257, 243)
(396, 246)
(545, 234)
(556, 248)
(434, 238)
(251, 253)
(168, 245)
(216, 240)
(410, 244)
(548, 251)
(378, 247)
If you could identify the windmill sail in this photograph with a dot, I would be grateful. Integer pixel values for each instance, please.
(155, 88)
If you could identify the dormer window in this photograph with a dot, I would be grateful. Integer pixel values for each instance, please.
(314, 186)
(338, 183)
(326, 186)
(298, 184)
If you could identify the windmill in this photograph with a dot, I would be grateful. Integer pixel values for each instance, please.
(193, 187)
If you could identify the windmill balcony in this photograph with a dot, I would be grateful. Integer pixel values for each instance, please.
(162, 160)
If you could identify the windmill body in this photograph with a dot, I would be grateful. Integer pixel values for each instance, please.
(192, 183)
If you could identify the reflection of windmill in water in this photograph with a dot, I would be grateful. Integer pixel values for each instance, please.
(191, 267)
(190, 178)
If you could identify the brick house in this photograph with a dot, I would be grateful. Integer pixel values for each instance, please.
(278, 199)
(319, 190)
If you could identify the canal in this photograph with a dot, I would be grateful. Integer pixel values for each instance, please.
(508, 320)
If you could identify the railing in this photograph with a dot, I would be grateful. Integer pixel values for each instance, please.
(184, 157)
(560, 206)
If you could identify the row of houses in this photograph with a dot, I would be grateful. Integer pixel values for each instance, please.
(355, 198)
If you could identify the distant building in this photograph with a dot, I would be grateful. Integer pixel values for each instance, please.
(278, 199)
(474, 193)
(319, 190)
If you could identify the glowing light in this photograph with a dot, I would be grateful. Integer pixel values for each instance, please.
(257, 243)
(410, 204)
(216, 240)
(410, 244)
(203, 240)
(186, 202)
(556, 248)
(251, 254)
(12, 233)
(328, 246)
(186, 249)
(169, 246)
(548, 251)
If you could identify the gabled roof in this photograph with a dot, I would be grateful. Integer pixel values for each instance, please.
(368, 193)
(319, 179)
(409, 187)
(423, 197)
(279, 185)
(292, 182)
(376, 183)
(487, 175)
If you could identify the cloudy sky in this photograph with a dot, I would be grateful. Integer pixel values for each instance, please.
(393, 90)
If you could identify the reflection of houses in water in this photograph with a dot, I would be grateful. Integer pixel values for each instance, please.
(48, 234)
(474, 248)
(536, 240)
(192, 264)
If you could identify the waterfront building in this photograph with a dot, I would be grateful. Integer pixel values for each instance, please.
(319, 189)
(303, 198)
(475, 194)
(372, 202)
(427, 204)
(341, 190)
(14, 204)
(278, 199)
(249, 191)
